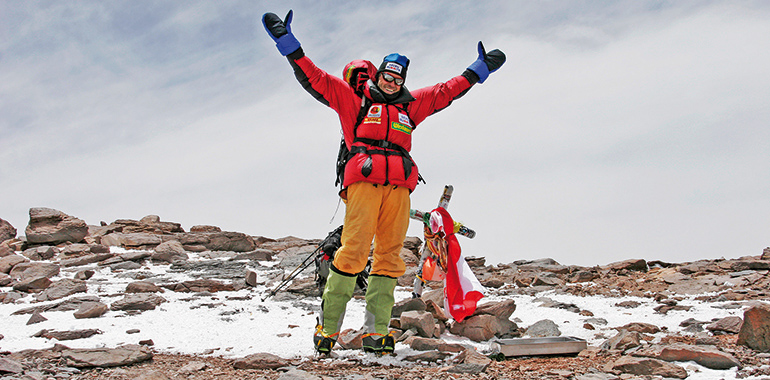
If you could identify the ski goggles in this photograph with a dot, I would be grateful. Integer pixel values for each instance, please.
(390, 78)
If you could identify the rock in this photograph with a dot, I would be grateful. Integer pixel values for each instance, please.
(36, 318)
(91, 310)
(755, 332)
(153, 375)
(765, 254)
(204, 285)
(84, 274)
(639, 265)
(67, 335)
(205, 229)
(623, 340)
(261, 360)
(143, 287)
(256, 255)
(420, 320)
(628, 304)
(141, 301)
(298, 374)
(251, 278)
(10, 366)
(85, 259)
(502, 309)
(484, 327)
(230, 241)
(730, 325)
(409, 304)
(645, 328)
(8, 262)
(49, 226)
(6, 249)
(40, 253)
(470, 361)
(707, 357)
(6, 231)
(193, 367)
(5, 279)
(66, 305)
(648, 366)
(35, 269)
(430, 344)
(61, 289)
(32, 285)
(169, 252)
(106, 357)
(543, 328)
(427, 357)
(351, 339)
(436, 310)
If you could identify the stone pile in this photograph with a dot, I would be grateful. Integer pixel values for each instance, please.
(56, 242)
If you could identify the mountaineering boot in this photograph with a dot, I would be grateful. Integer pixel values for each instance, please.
(379, 305)
(338, 291)
(378, 344)
(323, 343)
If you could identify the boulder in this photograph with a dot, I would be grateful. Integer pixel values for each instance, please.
(484, 327)
(755, 331)
(44, 252)
(261, 360)
(543, 328)
(645, 328)
(420, 320)
(10, 366)
(141, 301)
(106, 357)
(49, 226)
(765, 254)
(61, 289)
(623, 340)
(648, 367)
(91, 310)
(32, 284)
(26, 270)
(169, 252)
(8, 262)
(6, 231)
(639, 265)
(730, 325)
(143, 287)
(230, 241)
(705, 356)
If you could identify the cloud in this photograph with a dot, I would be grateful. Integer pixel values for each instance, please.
(634, 129)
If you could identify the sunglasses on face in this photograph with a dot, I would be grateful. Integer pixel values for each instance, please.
(391, 78)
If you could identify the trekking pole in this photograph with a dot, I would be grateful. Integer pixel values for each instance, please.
(302, 266)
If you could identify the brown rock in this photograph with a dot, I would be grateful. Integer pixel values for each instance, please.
(731, 325)
(35, 269)
(61, 289)
(49, 226)
(639, 265)
(707, 357)
(755, 332)
(645, 328)
(8, 262)
(765, 254)
(67, 335)
(91, 310)
(6, 231)
(169, 252)
(32, 285)
(143, 287)
(648, 366)
(106, 357)
(36, 318)
(141, 301)
(261, 360)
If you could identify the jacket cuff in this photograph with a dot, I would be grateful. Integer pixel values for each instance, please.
(472, 77)
(295, 55)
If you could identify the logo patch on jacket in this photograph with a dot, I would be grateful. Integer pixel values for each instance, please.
(374, 116)
(404, 119)
(401, 127)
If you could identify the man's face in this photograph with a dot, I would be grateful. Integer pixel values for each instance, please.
(386, 81)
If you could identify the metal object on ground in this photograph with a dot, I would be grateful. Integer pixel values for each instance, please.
(556, 345)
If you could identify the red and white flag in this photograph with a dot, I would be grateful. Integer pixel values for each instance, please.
(462, 290)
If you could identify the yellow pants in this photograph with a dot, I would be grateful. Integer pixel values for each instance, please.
(374, 211)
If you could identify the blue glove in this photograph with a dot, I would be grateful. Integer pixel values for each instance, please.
(487, 63)
(280, 31)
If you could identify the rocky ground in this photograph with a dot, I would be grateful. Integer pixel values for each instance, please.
(56, 241)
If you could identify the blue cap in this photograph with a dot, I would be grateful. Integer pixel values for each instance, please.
(395, 63)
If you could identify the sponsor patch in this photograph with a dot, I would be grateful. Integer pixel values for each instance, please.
(374, 111)
(403, 119)
(401, 127)
(392, 66)
(372, 120)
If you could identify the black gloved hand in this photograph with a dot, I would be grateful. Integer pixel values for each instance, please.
(280, 31)
(487, 62)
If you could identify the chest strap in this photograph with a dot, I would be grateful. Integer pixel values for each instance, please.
(395, 150)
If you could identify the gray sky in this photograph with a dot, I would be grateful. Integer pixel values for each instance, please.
(615, 130)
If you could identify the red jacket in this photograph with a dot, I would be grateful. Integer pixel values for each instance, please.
(392, 121)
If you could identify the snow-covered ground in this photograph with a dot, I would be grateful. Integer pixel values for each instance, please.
(236, 324)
